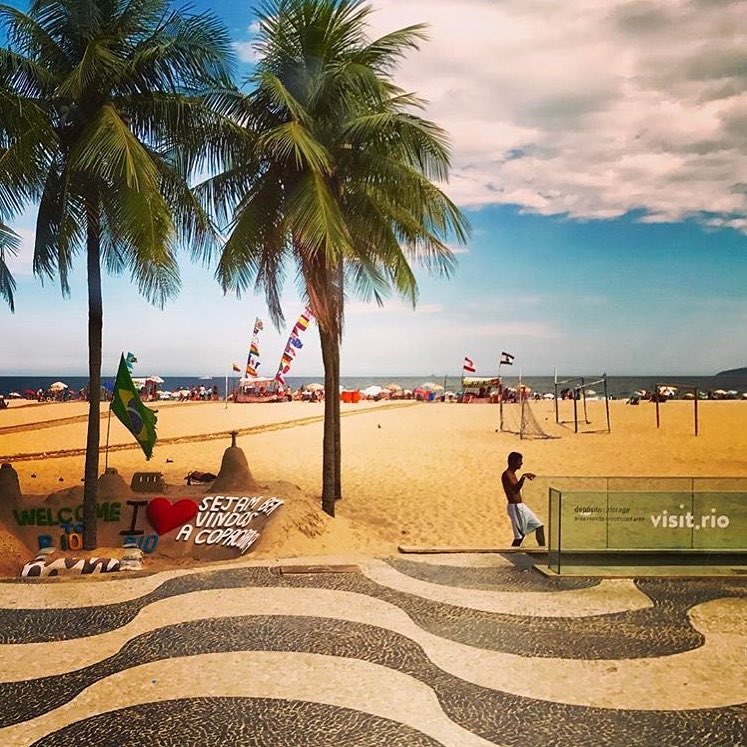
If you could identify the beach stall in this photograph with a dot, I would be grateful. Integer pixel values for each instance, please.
(256, 389)
(481, 389)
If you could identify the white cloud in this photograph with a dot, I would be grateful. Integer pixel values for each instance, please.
(246, 51)
(587, 108)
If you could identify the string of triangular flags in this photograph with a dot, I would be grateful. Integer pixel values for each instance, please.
(252, 360)
(293, 345)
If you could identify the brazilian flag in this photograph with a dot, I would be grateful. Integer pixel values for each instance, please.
(135, 416)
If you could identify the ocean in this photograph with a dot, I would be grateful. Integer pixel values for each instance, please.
(619, 387)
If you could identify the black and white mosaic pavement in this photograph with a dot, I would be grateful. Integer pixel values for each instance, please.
(238, 722)
(359, 663)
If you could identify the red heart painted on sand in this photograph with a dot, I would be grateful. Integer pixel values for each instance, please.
(165, 516)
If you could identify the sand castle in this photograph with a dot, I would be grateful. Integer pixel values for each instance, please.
(148, 518)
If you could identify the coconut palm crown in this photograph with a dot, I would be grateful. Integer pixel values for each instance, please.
(337, 180)
(105, 113)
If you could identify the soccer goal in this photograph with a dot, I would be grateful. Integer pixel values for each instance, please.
(519, 418)
(577, 392)
(662, 393)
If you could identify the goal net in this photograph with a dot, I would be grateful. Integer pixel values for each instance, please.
(530, 426)
(520, 419)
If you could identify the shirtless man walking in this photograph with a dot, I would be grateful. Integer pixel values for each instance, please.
(523, 520)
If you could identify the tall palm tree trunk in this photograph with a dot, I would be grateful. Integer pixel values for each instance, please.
(95, 324)
(338, 426)
(339, 280)
(330, 358)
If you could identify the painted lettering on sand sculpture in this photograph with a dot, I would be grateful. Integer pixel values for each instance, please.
(45, 516)
(226, 521)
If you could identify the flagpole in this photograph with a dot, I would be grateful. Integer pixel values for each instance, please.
(555, 390)
(108, 428)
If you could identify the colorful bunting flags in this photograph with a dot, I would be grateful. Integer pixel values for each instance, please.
(293, 345)
(252, 360)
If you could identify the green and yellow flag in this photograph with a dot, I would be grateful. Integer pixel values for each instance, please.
(135, 416)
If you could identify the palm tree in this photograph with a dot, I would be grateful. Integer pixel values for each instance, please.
(106, 114)
(335, 179)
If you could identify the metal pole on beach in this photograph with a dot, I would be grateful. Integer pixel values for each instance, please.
(656, 401)
(607, 403)
(226, 391)
(555, 389)
(108, 428)
(696, 410)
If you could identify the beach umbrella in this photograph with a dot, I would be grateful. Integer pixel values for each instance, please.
(591, 393)
(371, 391)
(155, 379)
(548, 395)
(393, 387)
(314, 387)
(16, 395)
(58, 386)
(430, 386)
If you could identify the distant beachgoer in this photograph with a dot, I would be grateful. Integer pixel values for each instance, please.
(3, 403)
(523, 519)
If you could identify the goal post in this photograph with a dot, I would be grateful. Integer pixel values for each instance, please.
(659, 390)
(578, 389)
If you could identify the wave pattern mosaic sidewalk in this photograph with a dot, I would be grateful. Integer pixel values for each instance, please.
(426, 652)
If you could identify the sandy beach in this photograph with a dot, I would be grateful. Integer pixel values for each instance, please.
(413, 473)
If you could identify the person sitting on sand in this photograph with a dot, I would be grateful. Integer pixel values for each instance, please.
(523, 520)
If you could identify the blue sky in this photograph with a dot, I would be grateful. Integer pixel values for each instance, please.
(600, 152)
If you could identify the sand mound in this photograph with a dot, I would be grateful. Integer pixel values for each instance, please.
(71, 495)
(301, 528)
(234, 475)
(13, 554)
(112, 486)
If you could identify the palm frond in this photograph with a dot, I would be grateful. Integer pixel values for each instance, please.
(32, 40)
(384, 53)
(291, 141)
(9, 245)
(107, 149)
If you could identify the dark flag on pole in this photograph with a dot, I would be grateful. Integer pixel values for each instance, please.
(506, 359)
(135, 416)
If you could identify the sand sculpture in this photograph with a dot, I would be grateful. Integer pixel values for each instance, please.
(202, 522)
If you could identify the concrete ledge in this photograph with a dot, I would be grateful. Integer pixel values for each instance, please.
(425, 550)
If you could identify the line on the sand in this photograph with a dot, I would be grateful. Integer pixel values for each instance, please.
(250, 431)
(56, 422)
